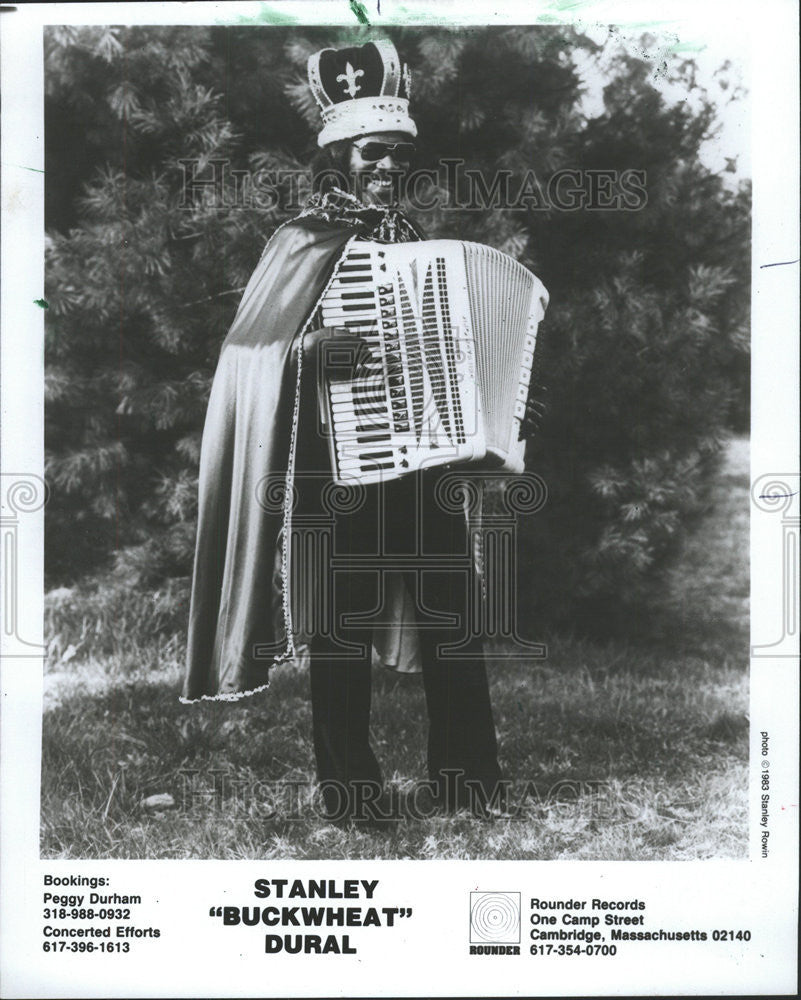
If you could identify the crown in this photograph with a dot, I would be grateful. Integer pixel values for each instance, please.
(359, 90)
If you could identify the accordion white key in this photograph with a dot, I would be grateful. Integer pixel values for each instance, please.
(451, 328)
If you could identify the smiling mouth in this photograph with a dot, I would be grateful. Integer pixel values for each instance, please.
(381, 181)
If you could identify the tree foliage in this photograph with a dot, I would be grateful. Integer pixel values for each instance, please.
(644, 348)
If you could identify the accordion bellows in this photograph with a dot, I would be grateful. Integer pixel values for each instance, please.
(451, 328)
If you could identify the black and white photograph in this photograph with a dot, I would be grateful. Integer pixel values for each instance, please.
(411, 476)
(264, 482)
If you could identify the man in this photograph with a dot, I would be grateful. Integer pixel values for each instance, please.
(265, 470)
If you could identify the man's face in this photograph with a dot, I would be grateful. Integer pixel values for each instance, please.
(377, 168)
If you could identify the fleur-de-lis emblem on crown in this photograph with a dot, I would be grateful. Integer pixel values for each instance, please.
(349, 78)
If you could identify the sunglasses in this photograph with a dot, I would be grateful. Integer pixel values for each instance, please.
(375, 151)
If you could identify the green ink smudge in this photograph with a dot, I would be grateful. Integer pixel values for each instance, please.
(646, 25)
(360, 11)
(266, 15)
(42, 303)
(21, 166)
(402, 14)
(563, 5)
(556, 8)
(688, 47)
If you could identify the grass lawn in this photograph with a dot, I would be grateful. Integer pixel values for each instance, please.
(616, 751)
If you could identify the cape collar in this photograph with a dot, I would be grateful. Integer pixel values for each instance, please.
(383, 225)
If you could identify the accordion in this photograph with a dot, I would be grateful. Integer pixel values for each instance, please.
(451, 329)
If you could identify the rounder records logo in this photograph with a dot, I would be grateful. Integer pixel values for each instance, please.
(494, 923)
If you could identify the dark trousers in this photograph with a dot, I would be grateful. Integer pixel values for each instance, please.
(403, 519)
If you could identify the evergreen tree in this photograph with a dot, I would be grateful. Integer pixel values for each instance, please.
(141, 291)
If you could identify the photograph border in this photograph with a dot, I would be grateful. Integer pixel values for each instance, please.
(757, 893)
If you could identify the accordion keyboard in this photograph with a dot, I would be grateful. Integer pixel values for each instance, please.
(407, 407)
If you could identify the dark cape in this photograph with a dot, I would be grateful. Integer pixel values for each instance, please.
(241, 619)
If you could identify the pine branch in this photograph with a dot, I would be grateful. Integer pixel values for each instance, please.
(210, 298)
